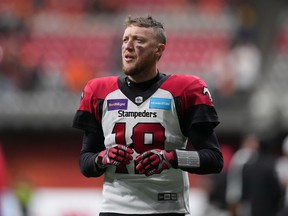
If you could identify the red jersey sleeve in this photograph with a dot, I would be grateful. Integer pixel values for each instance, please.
(89, 112)
(193, 101)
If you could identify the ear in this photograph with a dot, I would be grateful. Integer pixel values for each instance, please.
(159, 50)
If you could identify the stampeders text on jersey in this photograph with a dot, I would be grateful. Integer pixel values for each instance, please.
(145, 114)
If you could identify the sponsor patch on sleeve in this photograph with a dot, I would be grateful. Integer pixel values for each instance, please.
(117, 104)
(160, 103)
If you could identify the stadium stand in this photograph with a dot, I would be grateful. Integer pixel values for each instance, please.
(70, 47)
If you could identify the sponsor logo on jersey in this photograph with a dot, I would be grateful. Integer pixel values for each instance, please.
(167, 197)
(160, 103)
(117, 104)
(131, 114)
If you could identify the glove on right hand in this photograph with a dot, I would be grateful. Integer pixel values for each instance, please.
(155, 161)
(114, 156)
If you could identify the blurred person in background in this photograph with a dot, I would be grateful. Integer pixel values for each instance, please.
(282, 170)
(24, 194)
(253, 188)
(261, 183)
(235, 197)
(136, 129)
(245, 56)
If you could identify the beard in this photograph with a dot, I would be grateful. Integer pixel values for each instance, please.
(132, 70)
(138, 67)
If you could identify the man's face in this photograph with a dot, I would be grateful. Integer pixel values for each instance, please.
(139, 48)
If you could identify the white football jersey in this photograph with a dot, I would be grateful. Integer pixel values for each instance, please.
(153, 124)
(153, 118)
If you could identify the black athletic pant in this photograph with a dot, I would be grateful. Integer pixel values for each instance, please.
(166, 214)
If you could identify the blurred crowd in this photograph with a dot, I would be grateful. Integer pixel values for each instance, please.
(48, 44)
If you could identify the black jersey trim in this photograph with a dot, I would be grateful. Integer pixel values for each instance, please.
(201, 114)
(84, 120)
(197, 115)
(133, 91)
(163, 214)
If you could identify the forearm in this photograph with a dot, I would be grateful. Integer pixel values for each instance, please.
(87, 165)
(91, 146)
(206, 158)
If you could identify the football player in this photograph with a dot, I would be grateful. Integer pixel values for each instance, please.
(137, 128)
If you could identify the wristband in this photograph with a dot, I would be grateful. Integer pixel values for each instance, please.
(187, 159)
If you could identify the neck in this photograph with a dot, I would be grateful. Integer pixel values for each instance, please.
(143, 77)
(142, 86)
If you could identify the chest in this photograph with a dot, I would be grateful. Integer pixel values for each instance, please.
(152, 124)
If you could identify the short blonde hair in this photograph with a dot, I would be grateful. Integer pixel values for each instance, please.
(148, 22)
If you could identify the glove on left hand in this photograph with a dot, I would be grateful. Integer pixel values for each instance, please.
(155, 161)
(114, 156)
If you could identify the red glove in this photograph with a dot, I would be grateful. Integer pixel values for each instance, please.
(155, 161)
(114, 156)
